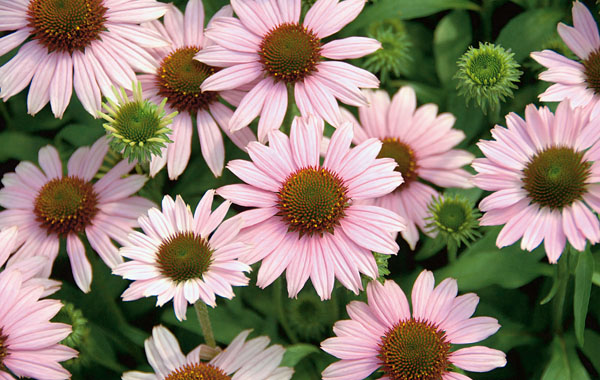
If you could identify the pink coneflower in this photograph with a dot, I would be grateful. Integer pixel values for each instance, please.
(421, 142)
(83, 44)
(544, 179)
(28, 340)
(269, 47)
(241, 360)
(577, 81)
(46, 206)
(179, 257)
(385, 335)
(306, 219)
(177, 77)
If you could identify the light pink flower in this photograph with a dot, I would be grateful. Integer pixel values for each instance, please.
(577, 81)
(385, 335)
(543, 173)
(179, 257)
(271, 48)
(28, 340)
(421, 142)
(86, 45)
(177, 77)
(46, 206)
(305, 217)
(241, 360)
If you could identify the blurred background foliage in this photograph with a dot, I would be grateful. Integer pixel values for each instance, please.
(423, 41)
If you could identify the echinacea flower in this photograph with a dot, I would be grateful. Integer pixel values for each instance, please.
(241, 360)
(486, 75)
(47, 205)
(421, 142)
(544, 179)
(269, 47)
(138, 128)
(29, 342)
(177, 77)
(455, 218)
(179, 257)
(306, 220)
(577, 81)
(87, 45)
(385, 335)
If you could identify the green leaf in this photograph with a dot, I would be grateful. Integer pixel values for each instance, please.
(583, 287)
(591, 348)
(404, 10)
(80, 134)
(430, 247)
(529, 31)
(564, 363)
(561, 276)
(451, 39)
(295, 353)
(482, 264)
(20, 146)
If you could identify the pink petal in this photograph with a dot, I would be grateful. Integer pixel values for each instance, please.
(472, 330)
(478, 358)
(232, 77)
(251, 105)
(584, 22)
(575, 40)
(422, 289)
(249, 196)
(351, 47)
(50, 162)
(194, 23)
(211, 142)
(82, 270)
(388, 302)
(178, 153)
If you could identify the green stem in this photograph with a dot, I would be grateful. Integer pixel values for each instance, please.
(558, 302)
(291, 112)
(278, 288)
(487, 9)
(204, 319)
(452, 248)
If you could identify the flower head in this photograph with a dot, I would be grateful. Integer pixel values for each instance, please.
(421, 143)
(242, 359)
(29, 342)
(310, 316)
(455, 218)
(544, 179)
(85, 45)
(487, 75)
(307, 218)
(385, 335)
(179, 257)
(47, 205)
(578, 81)
(269, 49)
(177, 77)
(138, 127)
(395, 53)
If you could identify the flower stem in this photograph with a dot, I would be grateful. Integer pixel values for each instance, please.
(292, 111)
(452, 248)
(204, 319)
(558, 302)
